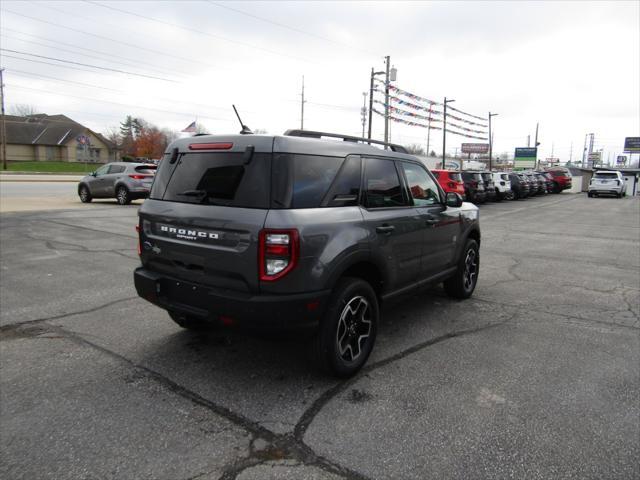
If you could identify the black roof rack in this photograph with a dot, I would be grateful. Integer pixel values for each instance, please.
(347, 138)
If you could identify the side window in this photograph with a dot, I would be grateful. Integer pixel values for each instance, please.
(102, 170)
(382, 184)
(421, 186)
(345, 189)
(116, 168)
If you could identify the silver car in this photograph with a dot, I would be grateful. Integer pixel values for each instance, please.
(122, 181)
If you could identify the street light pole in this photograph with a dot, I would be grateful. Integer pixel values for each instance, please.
(490, 139)
(3, 127)
(444, 132)
(364, 112)
(386, 100)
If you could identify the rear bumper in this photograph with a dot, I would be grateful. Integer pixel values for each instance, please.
(612, 189)
(224, 308)
(138, 192)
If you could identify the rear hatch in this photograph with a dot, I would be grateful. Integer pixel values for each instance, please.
(203, 217)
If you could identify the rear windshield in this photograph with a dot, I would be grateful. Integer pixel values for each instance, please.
(455, 176)
(146, 169)
(216, 178)
(486, 177)
(558, 173)
(606, 175)
(504, 176)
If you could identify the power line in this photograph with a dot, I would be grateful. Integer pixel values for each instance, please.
(102, 37)
(194, 30)
(109, 56)
(289, 27)
(88, 65)
(38, 75)
(191, 114)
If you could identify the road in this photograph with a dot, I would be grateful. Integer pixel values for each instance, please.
(21, 196)
(536, 376)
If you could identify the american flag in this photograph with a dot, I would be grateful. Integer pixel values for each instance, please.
(191, 128)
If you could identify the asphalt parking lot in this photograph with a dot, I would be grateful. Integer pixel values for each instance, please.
(537, 376)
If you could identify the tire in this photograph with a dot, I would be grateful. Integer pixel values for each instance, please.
(340, 347)
(84, 194)
(498, 196)
(464, 281)
(589, 194)
(122, 195)
(190, 323)
(556, 188)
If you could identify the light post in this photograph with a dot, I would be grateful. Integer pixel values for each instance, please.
(363, 112)
(444, 132)
(490, 139)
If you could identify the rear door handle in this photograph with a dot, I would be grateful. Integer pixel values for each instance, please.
(386, 229)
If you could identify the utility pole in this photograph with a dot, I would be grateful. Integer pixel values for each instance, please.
(490, 139)
(444, 132)
(571, 152)
(3, 127)
(429, 131)
(302, 106)
(535, 143)
(386, 100)
(371, 102)
(363, 112)
(528, 140)
(584, 150)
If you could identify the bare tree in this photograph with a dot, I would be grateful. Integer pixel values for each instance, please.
(200, 128)
(416, 149)
(113, 135)
(23, 110)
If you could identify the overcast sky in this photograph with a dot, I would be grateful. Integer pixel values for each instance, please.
(574, 67)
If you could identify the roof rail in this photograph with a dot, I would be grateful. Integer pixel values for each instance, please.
(347, 138)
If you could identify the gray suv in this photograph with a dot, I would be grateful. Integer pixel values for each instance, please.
(298, 232)
(122, 180)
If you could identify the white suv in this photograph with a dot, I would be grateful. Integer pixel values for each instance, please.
(503, 185)
(607, 182)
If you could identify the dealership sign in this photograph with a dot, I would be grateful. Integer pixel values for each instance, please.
(594, 158)
(621, 160)
(475, 148)
(632, 144)
(525, 157)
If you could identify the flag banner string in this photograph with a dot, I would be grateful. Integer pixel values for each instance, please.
(433, 112)
(406, 113)
(416, 124)
(412, 96)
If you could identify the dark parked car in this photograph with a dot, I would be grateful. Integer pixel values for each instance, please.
(122, 181)
(519, 186)
(547, 179)
(489, 186)
(474, 187)
(272, 233)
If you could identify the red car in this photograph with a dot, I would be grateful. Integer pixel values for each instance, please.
(450, 181)
(561, 179)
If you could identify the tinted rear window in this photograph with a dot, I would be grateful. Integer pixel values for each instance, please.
(556, 173)
(454, 176)
(146, 169)
(504, 176)
(606, 175)
(219, 178)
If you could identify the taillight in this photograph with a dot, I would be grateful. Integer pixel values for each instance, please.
(278, 253)
(138, 176)
(451, 185)
(139, 245)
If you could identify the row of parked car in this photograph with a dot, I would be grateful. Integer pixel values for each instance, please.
(480, 186)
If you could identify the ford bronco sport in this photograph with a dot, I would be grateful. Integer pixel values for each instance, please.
(267, 233)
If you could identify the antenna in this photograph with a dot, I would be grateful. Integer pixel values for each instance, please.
(245, 130)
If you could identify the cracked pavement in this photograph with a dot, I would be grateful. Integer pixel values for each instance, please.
(536, 376)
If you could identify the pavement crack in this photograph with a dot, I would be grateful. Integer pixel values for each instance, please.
(64, 315)
(311, 413)
(91, 229)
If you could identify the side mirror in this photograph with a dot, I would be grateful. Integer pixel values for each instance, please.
(453, 200)
(94, 174)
